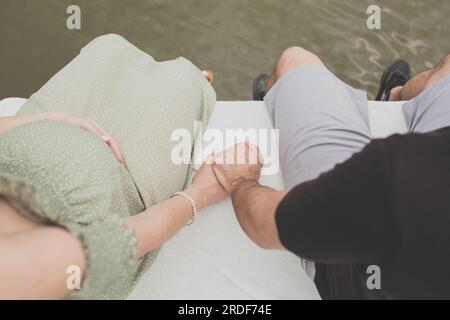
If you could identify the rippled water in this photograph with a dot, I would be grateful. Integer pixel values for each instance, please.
(237, 39)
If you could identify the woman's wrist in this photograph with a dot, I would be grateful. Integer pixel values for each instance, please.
(197, 195)
(23, 120)
(10, 123)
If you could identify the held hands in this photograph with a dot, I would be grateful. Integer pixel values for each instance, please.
(222, 173)
(241, 163)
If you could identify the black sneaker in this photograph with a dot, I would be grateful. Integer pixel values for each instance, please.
(259, 87)
(396, 74)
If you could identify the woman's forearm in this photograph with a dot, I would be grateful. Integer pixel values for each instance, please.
(158, 224)
(9, 123)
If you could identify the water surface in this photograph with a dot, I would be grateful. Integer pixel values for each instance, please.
(237, 39)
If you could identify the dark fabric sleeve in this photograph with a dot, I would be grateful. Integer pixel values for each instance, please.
(345, 215)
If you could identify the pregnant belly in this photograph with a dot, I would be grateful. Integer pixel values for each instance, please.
(62, 175)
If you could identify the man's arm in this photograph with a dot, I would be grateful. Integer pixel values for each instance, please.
(255, 208)
(345, 215)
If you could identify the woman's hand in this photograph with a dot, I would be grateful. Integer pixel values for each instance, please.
(84, 123)
(205, 189)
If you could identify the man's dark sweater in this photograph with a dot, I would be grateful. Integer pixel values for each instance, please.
(388, 206)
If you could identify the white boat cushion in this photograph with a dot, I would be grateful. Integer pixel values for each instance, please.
(213, 258)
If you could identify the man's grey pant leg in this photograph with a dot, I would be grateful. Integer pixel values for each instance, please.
(430, 110)
(322, 122)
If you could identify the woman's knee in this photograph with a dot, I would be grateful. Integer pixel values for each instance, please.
(295, 57)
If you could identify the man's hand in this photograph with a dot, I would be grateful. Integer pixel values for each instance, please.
(239, 164)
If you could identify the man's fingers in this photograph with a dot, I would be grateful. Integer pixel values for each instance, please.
(240, 154)
(257, 153)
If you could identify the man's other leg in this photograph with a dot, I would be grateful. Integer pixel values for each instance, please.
(421, 82)
(428, 92)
